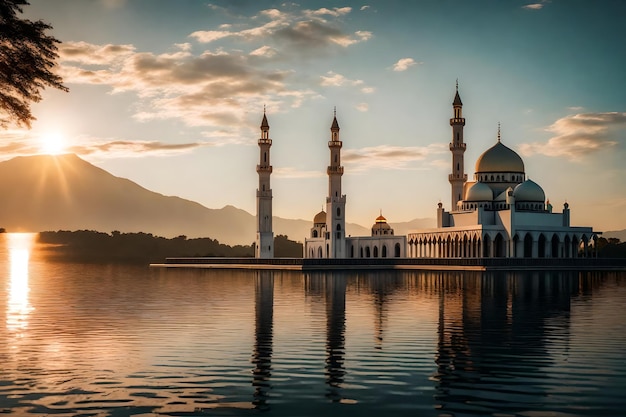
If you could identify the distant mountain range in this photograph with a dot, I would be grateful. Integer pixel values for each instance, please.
(64, 192)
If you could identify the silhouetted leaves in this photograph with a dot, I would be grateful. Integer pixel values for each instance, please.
(27, 58)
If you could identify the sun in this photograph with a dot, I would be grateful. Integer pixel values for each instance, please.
(53, 143)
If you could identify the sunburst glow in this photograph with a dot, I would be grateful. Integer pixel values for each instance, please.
(53, 143)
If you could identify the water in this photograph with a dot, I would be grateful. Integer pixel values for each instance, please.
(107, 340)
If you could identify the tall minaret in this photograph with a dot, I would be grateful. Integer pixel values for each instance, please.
(335, 202)
(457, 147)
(264, 234)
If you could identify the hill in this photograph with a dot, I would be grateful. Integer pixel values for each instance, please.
(617, 234)
(65, 192)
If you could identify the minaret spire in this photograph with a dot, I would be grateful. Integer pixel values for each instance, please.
(264, 236)
(457, 178)
(335, 202)
(499, 137)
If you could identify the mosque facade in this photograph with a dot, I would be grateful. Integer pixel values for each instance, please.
(327, 238)
(498, 214)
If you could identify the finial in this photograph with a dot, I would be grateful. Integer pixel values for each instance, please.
(335, 111)
(457, 85)
(381, 212)
(499, 132)
(264, 109)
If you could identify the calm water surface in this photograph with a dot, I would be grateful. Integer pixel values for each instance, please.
(107, 340)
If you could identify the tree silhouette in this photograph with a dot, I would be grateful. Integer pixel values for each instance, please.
(27, 58)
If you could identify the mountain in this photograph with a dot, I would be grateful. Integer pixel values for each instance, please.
(65, 192)
(619, 234)
(403, 228)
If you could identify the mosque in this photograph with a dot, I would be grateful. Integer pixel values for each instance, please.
(499, 213)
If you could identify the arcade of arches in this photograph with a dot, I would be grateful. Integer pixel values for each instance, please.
(493, 244)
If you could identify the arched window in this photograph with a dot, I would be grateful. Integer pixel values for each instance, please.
(352, 251)
(263, 187)
(264, 156)
(384, 251)
(338, 228)
(361, 252)
(458, 166)
(375, 251)
(457, 138)
(396, 250)
(314, 233)
(335, 158)
(338, 212)
(367, 252)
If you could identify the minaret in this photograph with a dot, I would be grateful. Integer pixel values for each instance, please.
(264, 235)
(335, 202)
(458, 177)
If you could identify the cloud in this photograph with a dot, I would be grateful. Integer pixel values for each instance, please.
(404, 64)
(264, 51)
(388, 157)
(362, 107)
(214, 87)
(129, 149)
(536, 6)
(90, 54)
(335, 11)
(23, 143)
(309, 29)
(337, 80)
(579, 135)
(364, 7)
(202, 90)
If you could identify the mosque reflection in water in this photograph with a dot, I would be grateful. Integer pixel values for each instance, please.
(491, 328)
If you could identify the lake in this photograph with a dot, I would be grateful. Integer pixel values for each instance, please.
(114, 340)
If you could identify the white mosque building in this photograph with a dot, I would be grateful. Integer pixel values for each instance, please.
(500, 214)
(328, 238)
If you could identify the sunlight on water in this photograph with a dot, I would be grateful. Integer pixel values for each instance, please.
(18, 305)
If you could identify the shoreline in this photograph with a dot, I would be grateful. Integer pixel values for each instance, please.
(432, 264)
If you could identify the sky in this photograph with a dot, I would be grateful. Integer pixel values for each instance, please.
(170, 94)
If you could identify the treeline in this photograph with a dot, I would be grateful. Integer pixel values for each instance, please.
(611, 248)
(117, 247)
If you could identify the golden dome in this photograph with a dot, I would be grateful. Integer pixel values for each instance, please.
(499, 158)
(320, 218)
(381, 219)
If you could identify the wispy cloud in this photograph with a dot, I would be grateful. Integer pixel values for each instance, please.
(130, 149)
(535, 6)
(388, 157)
(579, 135)
(362, 107)
(337, 80)
(24, 143)
(404, 64)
